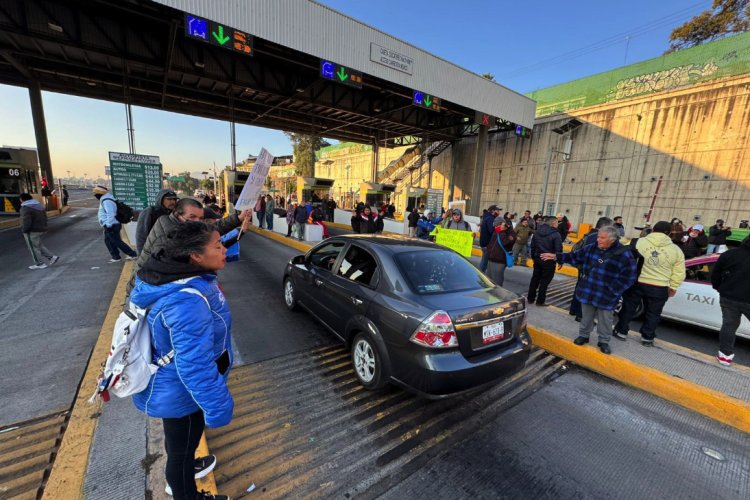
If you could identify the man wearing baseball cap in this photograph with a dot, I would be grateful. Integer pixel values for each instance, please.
(108, 220)
(165, 202)
(662, 274)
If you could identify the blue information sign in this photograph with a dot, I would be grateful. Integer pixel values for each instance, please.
(214, 33)
(426, 101)
(341, 74)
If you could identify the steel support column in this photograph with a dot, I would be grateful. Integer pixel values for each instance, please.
(454, 167)
(40, 131)
(476, 192)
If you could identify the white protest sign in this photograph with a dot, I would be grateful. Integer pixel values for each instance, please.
(255, 181)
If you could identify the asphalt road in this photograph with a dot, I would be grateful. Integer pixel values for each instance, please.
(575, 436)
(51, 317)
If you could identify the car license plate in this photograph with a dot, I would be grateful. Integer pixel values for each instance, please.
(492, 333)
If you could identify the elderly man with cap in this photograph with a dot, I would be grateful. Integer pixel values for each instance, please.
(662, 274)
(165, 202)
(108, 221)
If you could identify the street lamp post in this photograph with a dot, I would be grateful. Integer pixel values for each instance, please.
(348, 186)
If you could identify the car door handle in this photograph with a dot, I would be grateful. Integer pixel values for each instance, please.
(318, 282)
(356, 301)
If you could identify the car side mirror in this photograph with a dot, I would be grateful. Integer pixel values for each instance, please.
(298, 259)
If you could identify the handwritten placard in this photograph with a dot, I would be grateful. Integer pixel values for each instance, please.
(255, 181)
(460, 241)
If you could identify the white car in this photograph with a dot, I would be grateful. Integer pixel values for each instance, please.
(696, 302)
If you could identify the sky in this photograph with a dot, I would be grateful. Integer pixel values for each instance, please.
(525, 45)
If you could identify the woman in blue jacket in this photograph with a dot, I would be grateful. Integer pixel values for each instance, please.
(191, 329)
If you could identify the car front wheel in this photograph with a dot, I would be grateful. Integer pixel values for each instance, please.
(368, 362)
(290, 294)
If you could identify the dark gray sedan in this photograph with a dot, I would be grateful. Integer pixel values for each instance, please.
(412, 313)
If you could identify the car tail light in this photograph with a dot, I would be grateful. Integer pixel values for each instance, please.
(436, 331)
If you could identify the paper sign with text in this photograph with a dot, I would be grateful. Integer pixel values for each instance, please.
(460, 241)
(255, 181)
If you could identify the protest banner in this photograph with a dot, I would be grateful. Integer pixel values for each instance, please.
(255, 180)
(460, 241)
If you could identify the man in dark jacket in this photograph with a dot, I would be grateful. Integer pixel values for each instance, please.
(165, 202)
(486, 230)
(546, 240)
(730, 278)
(300, 219)
(187, 209)
(413, 219)
(33, 227)
(694, 241)
(607, 269)
(563, 226)
(717, 237)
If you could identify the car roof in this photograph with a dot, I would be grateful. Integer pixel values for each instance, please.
(391, 243)
(703, 259)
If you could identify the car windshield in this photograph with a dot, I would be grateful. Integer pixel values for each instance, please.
(439, 271)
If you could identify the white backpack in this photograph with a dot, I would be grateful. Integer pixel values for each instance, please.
(128, 367)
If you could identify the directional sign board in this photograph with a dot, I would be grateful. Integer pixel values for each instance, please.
(218, 34)
(341, 74)
(136, 179)
(426, 101)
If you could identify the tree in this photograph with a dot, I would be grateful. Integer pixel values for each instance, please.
(304, 147)
(724, 18)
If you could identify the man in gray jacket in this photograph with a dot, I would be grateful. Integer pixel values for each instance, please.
(165, 203)
(33, 226)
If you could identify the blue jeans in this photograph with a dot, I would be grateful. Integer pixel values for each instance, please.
(260, 216)
(269, 220)
(485, 260)
(114, 242)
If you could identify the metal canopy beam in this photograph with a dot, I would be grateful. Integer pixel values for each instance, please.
(134, 50)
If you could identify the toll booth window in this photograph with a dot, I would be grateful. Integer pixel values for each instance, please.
(325, 256)
(360, 266)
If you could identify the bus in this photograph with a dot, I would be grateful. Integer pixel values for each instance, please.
(18, 174)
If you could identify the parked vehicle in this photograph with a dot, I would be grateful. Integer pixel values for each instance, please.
(411, 312)
(696, 302)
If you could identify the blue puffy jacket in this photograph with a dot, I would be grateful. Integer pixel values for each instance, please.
(486, 229)
(198, 328)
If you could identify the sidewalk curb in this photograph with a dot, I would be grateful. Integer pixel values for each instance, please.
(707, 402)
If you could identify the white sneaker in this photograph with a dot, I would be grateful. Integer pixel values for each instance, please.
(203, 466)
(111, 261)
(725, 360)
(128, 257)
(38, 266)
(54, 259)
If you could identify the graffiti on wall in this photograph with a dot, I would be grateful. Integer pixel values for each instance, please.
(662, 80)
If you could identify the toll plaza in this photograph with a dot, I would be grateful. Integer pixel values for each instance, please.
(574, 423)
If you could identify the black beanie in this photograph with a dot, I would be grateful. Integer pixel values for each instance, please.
(663, 227)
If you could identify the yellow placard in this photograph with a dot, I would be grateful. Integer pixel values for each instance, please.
(460, 241)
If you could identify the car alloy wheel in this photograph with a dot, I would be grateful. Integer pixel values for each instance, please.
(364, 361)
(289, 298)
(367, 361)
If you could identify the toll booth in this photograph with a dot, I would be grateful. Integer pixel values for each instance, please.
(18, 174)
(231, 184)
(415, 197)
(314, 189)
(374, 194)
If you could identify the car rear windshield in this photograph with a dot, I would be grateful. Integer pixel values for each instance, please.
(439, 271)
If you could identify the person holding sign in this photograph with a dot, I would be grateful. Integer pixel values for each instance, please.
(456, 221)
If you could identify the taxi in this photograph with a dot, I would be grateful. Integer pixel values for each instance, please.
(696, 302)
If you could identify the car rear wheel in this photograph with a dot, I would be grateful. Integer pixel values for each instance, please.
(368, 362)
(638, 310)
(290, 294)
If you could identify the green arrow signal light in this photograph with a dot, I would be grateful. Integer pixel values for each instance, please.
(427, 101)
(342, 74)
(221, 38)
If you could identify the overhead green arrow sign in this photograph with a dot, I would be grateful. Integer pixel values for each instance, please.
(342, 74)
(427, 101)
(221, 37)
